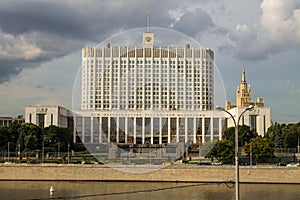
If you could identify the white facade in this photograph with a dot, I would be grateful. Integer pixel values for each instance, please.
(147, 77)
(259, 118)
(144, 127)
(46, 115)
(147, 95)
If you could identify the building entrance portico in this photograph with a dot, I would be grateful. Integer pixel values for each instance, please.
(143, 127)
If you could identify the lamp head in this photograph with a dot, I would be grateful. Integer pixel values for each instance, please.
(250, 107)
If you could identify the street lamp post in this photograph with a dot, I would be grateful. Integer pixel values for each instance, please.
(68, 152)
(43, 149)
(58, 150)
(298, 147)
(236, 124)
(8, 152)
(199, 148)
(19, 151)
(251, 153)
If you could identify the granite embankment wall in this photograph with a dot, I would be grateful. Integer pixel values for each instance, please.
(180, 173)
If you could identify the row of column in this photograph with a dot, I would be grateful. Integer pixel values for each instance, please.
(212, 130)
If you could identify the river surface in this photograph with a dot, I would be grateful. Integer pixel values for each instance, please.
(143, 190)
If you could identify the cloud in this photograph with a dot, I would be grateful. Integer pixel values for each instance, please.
(277, 29)
(18, 17)
(29, 50)
(52, 84)
(32, 31)
(16, 47)
(280, 18)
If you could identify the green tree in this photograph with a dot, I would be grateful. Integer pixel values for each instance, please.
(13, 131)
(54, 136)
(3, 137)
(29, 136)
(245, 134)
(224, 149)
(276, 136)
(229, 134)
(260, 147)
(282, 135)
(13, 135)
(291, 135)
(9, 135)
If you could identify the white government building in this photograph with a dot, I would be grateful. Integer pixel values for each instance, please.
(153, 95)
(148, 95)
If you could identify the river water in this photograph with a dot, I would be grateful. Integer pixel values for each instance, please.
(143, 190)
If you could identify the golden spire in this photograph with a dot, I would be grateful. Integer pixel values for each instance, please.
(243, 74)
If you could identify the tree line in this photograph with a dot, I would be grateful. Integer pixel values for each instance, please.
(278, 136)
(29, 137)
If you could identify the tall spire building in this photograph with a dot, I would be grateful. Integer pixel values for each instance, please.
(243, 93)
(259, 119)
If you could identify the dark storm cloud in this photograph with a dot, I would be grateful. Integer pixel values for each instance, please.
(50, 17)
(8, 69)
(39, 31)
(78, 20)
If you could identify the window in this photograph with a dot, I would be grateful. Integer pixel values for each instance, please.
(51, 119)
(253, 122)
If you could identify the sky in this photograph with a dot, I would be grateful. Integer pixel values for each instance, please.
(41, 42)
